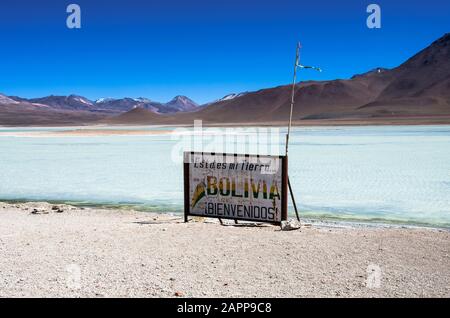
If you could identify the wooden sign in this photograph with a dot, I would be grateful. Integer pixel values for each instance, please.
(233, 186)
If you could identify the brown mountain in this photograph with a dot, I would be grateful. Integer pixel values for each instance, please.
(136, 116)
(182, 103)
(71, 102)
(415, 91)
(421, 85)
(22, 113)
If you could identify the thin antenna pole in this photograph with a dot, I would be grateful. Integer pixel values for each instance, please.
(294, 80)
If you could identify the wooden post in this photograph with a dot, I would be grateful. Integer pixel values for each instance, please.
(284, 188)
(186, 188)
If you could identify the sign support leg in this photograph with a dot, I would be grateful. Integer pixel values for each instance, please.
(293, 199)
(186, 188)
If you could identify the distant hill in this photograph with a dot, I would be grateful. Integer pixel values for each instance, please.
(135, 116)
(182, 103)
(24, 113)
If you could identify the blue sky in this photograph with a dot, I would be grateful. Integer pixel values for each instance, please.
(202, 49)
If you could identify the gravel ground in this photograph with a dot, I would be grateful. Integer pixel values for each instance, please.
(74, 252)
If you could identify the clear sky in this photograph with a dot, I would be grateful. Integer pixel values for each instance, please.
(202, 49)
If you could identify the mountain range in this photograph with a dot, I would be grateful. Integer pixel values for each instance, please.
(106, 105)
(414, 92)
(74, 109)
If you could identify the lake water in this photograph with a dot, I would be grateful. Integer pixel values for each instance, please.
(386, 173)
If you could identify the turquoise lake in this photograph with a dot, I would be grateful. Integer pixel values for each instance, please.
(374, 173)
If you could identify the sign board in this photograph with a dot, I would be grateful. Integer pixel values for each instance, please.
(234, 186)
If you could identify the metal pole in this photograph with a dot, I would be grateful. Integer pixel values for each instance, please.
(297, 64)
(294, 80)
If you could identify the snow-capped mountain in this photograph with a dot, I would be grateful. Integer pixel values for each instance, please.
(227, 98)
(7, 100)
(71, 102)
(142, 100)
(231, 96)
(104, 100)
(375, 71)
(177, 104)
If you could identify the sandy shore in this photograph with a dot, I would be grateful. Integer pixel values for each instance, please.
(71, 252)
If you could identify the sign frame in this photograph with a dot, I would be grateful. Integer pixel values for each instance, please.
(284, 186)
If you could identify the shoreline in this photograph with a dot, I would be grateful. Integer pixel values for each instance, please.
(161, 130)
(66, 251)
(325, 222)
(420, 121)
